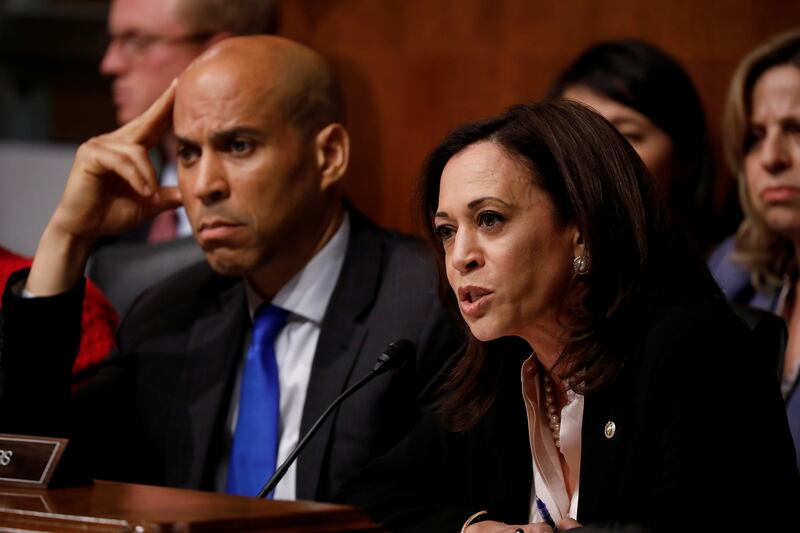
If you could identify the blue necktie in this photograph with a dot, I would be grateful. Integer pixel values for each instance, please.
(255, 441)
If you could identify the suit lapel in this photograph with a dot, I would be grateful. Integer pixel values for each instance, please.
(203, 391)
(607, 431)
(340, 341)
(508, 454)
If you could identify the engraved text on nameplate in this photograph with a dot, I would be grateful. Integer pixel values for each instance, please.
(27, 460)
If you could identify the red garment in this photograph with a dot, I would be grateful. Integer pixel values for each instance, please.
(98, 323)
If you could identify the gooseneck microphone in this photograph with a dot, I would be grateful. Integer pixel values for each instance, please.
(394, 356)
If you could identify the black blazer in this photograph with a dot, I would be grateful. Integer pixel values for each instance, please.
(700, 431)
(155, 413)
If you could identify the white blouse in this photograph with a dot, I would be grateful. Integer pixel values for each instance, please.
(548, 478)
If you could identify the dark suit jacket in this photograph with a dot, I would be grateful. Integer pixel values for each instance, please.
(155, 413)
(700, 431)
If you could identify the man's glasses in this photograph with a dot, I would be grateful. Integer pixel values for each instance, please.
(133, 44)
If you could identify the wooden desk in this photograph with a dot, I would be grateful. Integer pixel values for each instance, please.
(112, 506)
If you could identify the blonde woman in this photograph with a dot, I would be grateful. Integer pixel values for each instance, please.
(759, 265)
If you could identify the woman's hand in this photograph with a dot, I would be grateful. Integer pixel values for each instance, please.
(567, 523)
(499, 527)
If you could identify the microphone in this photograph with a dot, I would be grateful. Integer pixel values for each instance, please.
(394, 356)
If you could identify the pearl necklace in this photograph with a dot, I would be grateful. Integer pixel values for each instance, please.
(553, 412)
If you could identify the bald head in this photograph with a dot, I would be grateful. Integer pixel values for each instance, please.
(282, 74)
(260, 151)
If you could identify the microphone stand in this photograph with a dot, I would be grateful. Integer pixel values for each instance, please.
(397, 350)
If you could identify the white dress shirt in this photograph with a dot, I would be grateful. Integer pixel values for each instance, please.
(169, 178)
(306, 297)
(548, 477)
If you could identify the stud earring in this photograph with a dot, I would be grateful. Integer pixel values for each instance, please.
(581, 265)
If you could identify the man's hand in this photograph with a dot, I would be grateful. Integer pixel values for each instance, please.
(112, 187)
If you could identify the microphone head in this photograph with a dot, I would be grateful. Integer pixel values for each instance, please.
(395, 355)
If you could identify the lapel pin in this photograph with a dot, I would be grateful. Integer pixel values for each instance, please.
(610, 429)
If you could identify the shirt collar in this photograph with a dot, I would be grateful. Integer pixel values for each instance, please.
(307, 294)
(169, 175)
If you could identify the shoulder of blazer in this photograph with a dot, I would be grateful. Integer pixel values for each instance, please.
(180, 299)
(669, 340)
(374, 249)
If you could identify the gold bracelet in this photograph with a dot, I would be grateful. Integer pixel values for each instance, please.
(471, 518)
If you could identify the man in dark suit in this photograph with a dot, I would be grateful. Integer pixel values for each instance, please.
(150, 43)
(261, 151)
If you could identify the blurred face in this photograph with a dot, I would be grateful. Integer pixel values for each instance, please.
(149, 48)
(772, 162)
(508, 259)
(652, 144)
(249, 180)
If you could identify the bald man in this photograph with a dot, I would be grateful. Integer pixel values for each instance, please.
(262, 149)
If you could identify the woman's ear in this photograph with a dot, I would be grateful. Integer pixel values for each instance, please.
(581, 262)
(578, 247)
(332, 145)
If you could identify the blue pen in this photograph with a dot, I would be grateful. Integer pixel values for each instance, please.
(545, 513)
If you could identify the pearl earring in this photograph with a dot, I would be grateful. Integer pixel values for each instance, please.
(581, 265)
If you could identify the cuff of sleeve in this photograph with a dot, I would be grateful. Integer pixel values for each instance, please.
(15, 292)
(53, 321)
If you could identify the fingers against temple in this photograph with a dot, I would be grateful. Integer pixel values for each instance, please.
(148, 128)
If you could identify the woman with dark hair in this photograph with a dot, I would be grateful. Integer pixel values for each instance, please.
(550, 230)
(759, 266)
(650, 99)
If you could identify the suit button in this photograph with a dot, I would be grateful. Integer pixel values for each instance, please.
(610, 429)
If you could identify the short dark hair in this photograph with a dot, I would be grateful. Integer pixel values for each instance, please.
(647, 79)
(319, 102)
(638, 258)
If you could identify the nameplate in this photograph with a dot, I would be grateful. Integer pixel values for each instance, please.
(27, 461)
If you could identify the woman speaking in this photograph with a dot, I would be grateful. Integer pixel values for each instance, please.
(637, 402)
